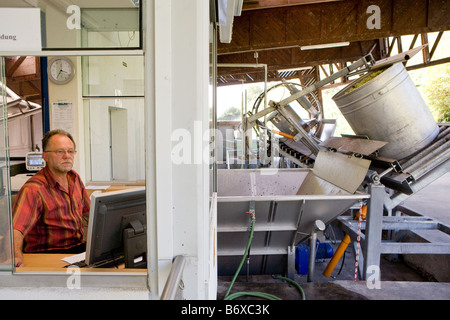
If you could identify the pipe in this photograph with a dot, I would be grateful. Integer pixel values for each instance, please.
(176, 272)
(244, 123)
(442, 137)
(252, 230)
(436, 149)
(436, 161)
(214, 105)
(318, 226)
(337, 256)
(312, 256)
(283, 134)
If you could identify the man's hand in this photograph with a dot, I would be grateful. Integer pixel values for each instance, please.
(18, 245)
(18, 261)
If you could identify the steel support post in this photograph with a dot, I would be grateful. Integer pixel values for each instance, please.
(312, 256)
(318, 226)
(374, 226)
(291, 262)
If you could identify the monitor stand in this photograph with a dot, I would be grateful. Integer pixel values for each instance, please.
(135, 245)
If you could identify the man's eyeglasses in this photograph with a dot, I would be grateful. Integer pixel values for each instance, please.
(61, 152)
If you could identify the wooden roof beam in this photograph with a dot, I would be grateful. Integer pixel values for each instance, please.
(335, 21)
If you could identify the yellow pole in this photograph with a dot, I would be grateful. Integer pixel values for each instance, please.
(337, 256)
(283, 134)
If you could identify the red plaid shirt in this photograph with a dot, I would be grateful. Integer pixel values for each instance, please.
(48, 216)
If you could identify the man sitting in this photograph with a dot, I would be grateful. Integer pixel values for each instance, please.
(49, 209)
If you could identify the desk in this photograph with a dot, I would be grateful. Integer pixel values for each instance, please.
(51, 262)
(116, 187)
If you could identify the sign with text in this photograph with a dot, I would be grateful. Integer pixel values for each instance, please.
(20, 29)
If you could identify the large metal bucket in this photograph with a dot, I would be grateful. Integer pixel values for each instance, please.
(286, 203)
(389, 108)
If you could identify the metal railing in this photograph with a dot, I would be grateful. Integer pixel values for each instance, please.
(174, 279)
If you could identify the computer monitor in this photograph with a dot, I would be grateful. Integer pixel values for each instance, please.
(34, 161)
(117, 229)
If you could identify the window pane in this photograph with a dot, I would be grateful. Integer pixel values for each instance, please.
(5, 194)
(110, 28)
(71, 25)
(113, 76)
(115, 133)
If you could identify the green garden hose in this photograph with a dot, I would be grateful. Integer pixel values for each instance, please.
(252, 229)
(263, 295)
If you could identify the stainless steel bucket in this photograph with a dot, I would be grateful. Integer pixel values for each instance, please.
(389, 108)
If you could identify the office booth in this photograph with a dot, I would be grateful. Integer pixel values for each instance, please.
(141, 75)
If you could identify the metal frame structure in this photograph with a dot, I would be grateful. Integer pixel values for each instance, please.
(385, 210)
(404, 220)
(299, 134)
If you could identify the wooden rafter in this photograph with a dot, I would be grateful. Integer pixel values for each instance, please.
(277, 29)
(23, 76)
(14, 66)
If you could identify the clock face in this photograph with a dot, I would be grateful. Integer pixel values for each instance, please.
(61, 70)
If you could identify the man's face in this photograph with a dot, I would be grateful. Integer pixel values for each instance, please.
(57, 154)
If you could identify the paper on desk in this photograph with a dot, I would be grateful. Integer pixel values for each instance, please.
(97, 187)
(75, 258)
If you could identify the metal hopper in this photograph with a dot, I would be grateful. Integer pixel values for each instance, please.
(286, 202)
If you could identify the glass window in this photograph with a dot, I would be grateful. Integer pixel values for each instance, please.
(114, 131)
(5, 197)
(113, 93)
(110, 28)
(111, 89)
(82, 24)
(113, 76)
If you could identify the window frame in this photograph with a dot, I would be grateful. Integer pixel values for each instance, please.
(10, 277)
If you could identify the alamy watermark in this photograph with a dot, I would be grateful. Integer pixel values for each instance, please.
(74, 280)
(374, 20)
(373, 277)
(223, 145)
(74, 20)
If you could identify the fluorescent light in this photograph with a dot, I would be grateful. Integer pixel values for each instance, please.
(325, 46)
(295, 69)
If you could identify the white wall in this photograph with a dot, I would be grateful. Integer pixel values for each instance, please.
(177, 70)
(71, 93)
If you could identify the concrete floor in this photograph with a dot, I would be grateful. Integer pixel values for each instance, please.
(343, 290)
(399, 280)
(433, 200)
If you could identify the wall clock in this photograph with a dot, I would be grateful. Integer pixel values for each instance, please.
(61, 70)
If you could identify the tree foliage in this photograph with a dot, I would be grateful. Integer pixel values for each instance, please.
(231, 113)
(437, 92)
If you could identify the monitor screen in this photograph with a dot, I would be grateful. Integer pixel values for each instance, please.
(34, 161)
(117, 228)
